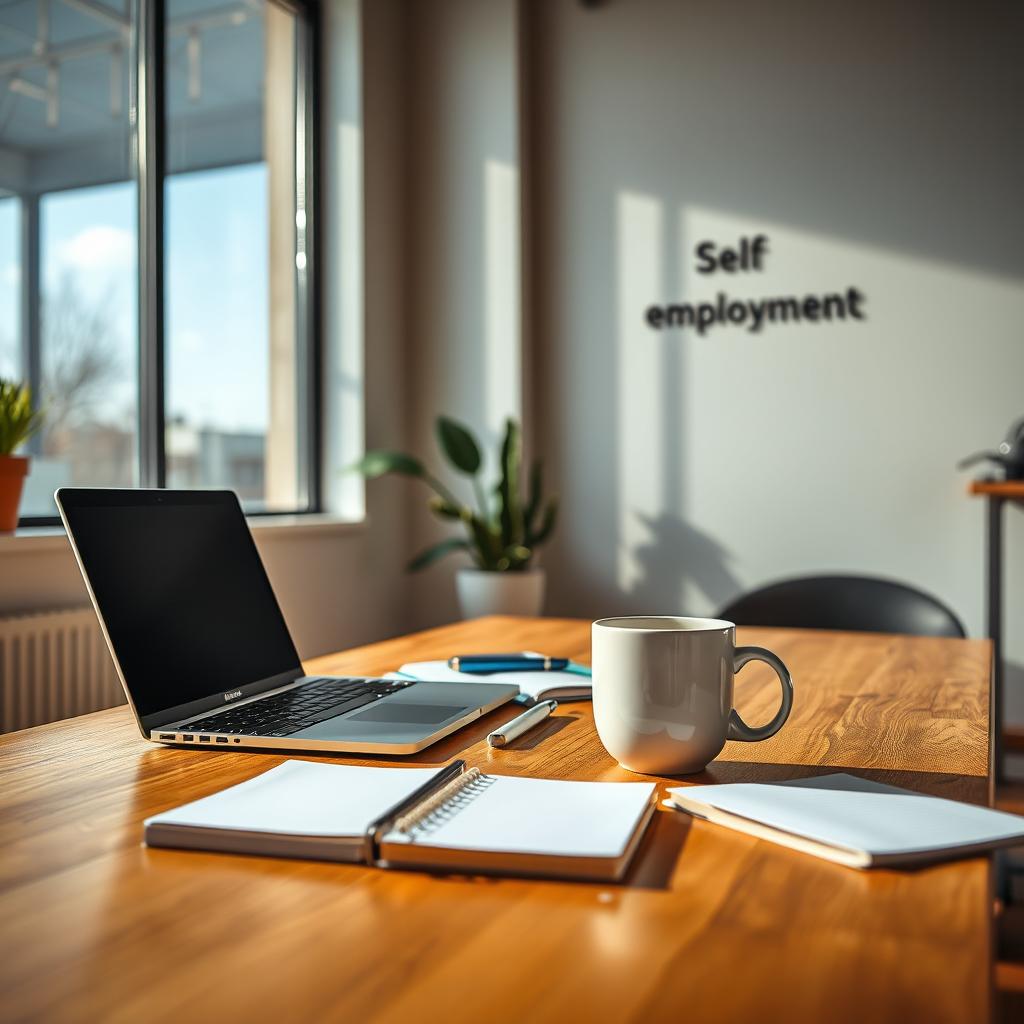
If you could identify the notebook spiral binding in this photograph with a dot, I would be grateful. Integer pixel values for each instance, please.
(447, 801)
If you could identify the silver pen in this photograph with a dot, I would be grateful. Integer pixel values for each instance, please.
(523, 723)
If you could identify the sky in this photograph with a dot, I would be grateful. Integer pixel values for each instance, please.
(217, 307)
(88, 236)
(216, 335)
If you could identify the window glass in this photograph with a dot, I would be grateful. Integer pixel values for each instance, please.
(89, 352)
(66, 141)
(235, 361)
(233, 394)
(10, 288)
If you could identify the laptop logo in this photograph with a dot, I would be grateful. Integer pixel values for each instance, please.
(233, 694)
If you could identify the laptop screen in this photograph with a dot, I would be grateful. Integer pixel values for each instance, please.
(183, 594)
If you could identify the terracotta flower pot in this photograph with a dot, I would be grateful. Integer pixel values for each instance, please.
(13, 470)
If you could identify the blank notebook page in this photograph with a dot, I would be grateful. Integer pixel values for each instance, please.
(842, 810)
(533, 683)
(505, 814)
(303, 798)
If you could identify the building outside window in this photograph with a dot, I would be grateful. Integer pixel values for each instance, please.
(235, 341)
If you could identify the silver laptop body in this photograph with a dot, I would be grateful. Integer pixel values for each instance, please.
(202, 649)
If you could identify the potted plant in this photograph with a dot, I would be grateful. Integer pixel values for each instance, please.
(18, 422)
(503, 531)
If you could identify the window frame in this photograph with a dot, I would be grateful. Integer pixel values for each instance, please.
(149, 141)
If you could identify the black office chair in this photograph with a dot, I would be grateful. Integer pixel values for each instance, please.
(859, 603)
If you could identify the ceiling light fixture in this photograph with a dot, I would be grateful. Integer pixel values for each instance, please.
(42, 28)
(195, 67)
(52, 95)
(42, 53)
(116, 73)
(28, 89)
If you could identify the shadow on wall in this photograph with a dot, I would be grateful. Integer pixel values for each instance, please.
(692, 467)
(1013, 691)
(676, 558)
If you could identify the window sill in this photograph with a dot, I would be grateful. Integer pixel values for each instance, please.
(32, 539)
(267, 527)
(38, 539)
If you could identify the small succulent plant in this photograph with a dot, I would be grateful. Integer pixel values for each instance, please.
(506, 527)
(18, 420)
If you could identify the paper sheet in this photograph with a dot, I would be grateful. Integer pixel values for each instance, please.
(853, 813)
(540, 816)
(539, 685)
(303, 798)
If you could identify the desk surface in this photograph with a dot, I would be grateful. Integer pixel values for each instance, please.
(998, 488)
(710, 925)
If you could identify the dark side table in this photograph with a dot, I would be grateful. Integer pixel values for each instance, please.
(997, 493)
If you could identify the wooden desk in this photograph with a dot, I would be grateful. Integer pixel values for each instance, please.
(710, 926)
(997, 493)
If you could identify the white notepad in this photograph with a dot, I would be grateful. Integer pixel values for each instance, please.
(853, 821)
(299, 808)
(539, 685)
(472, 822)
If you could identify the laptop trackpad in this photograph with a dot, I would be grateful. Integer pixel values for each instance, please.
(409, 713)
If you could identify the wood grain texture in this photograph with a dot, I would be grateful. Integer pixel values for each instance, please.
(711, 925)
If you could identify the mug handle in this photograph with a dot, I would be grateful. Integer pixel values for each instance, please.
(738, 729)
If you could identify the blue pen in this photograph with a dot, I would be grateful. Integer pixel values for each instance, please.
(485, 664)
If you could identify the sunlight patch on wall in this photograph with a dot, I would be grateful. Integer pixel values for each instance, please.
(342, 224)
(502, 312)
(805, 425)
(640, 233)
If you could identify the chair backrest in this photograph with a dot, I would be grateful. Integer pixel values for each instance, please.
(859, 603)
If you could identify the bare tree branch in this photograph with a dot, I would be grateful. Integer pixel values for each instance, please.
(80, 360)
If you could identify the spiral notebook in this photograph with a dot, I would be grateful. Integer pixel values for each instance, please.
(449, 820)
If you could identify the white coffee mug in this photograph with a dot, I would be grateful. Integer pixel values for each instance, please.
(663, 702)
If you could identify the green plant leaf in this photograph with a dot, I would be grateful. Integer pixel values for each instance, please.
(458, 445)
(486, 543)
(518, 557)
(511, 515)
(378, 463)
(534, 497)
(18, 420)
(437, 551)
(447, 510)
(547, 524)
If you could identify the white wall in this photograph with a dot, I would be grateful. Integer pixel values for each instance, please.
(364, 133)
(465, 292)
(338, 585)
(876, 145)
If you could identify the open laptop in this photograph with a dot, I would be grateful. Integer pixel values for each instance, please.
(202, 648)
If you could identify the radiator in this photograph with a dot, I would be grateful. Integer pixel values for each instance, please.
(54, 665)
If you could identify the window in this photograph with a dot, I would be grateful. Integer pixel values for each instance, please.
(10, 286)
(87, 342)
(164, 260)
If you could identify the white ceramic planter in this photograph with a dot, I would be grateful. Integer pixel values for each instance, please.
(500, 593)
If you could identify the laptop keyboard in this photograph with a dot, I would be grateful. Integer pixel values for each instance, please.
(285, 713)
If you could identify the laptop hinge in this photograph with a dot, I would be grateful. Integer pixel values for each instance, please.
(211, 705)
